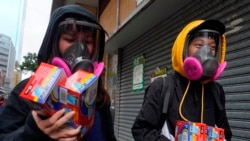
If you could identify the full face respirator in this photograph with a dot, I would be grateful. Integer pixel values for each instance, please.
(78, 55)
(204, 64)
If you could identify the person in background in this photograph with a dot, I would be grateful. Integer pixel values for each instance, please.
(2, 102)
(198, 55)
(75, 36)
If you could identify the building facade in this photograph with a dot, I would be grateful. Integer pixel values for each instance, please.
(1, 78)
(143, 31)
(7, 61)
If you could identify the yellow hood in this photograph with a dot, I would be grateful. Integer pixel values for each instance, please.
(179, 46)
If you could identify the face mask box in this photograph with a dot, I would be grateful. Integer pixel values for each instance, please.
(78, 93)
(42, 87)
(50, 89)
(190, 131)
(215, 134)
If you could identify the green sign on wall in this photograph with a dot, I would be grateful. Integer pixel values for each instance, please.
(138, 73)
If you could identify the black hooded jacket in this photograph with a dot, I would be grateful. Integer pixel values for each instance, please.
(16, 121)
(149, 122)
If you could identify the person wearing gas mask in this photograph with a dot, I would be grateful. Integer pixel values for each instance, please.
(74, 40)
(198, 55)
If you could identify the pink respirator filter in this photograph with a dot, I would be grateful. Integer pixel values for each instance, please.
(60, 63)
(221, 68)
(98, 68)
(192, 68)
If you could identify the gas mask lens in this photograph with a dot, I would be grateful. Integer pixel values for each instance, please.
(82, 31)
(205, 38)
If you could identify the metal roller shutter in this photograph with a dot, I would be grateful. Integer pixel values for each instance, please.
(156, 44)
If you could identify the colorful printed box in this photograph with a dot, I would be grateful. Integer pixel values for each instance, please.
(50, 89)
(42, 87)
(190, 131)
(78, 93)
(215, 134)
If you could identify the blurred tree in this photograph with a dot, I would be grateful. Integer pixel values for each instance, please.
(30, 62)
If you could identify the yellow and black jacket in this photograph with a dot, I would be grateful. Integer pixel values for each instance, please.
(149, 122)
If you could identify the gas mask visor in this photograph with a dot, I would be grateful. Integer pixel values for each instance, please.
(203, 38)
(84, 40)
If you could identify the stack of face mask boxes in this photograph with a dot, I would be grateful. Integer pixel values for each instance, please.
(50, 89)
(191, 131)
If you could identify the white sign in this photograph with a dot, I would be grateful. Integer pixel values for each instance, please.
(138, 74)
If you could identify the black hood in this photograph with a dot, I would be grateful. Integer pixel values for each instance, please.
(59, 15)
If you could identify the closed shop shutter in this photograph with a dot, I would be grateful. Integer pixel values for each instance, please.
(155, 45)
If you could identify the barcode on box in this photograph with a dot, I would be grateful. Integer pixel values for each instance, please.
(63, 95)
